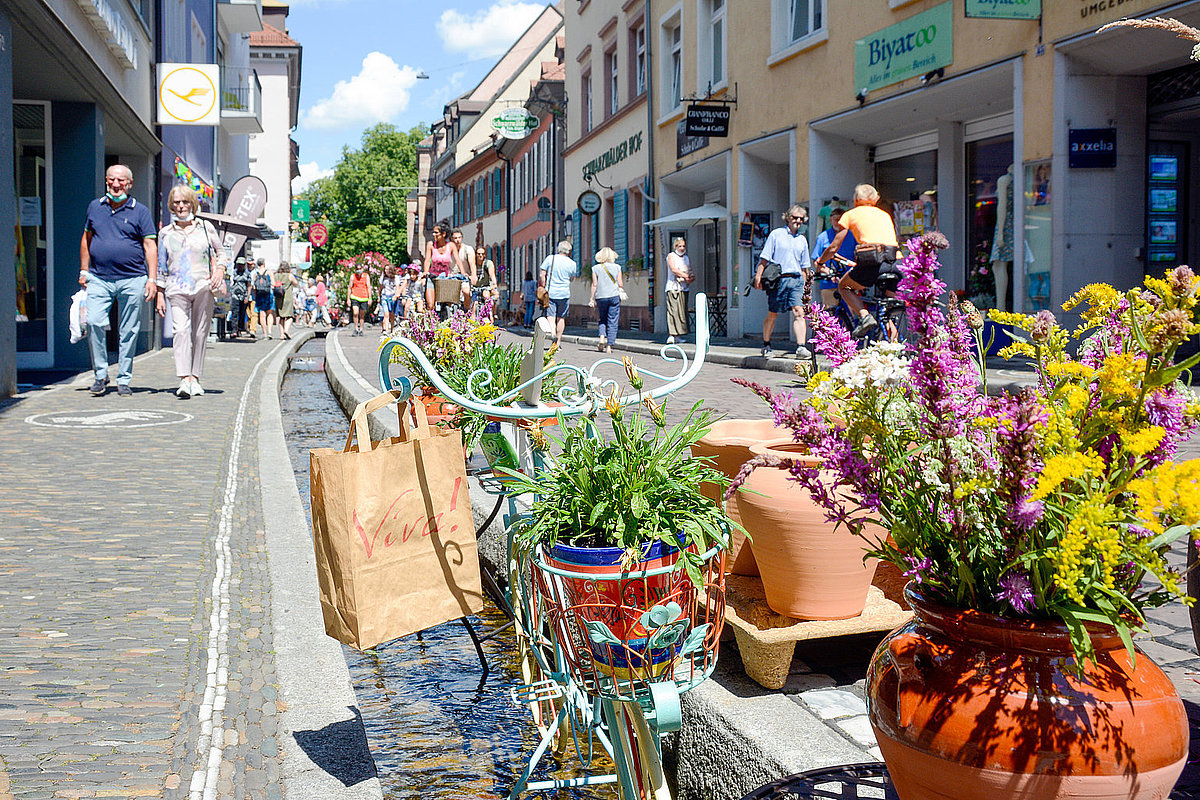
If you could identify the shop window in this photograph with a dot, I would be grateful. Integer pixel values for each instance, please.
(33, 245)
(990, 239)
(908, 191)
(1038, 213)
(637, 49)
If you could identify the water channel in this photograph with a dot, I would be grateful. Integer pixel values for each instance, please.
(434, 730)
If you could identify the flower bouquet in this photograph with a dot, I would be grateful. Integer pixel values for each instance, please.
(1041, 514)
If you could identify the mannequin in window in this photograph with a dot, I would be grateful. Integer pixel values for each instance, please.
(1002, 240)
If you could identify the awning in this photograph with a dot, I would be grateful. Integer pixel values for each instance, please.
(698, 214)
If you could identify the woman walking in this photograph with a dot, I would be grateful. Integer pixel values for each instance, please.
(389, 285)
(359, 298)
(191, 270)
(608, 288)
(264, 297)
(529, 295)
(287, 307)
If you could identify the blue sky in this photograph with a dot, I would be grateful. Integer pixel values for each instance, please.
(361, 59)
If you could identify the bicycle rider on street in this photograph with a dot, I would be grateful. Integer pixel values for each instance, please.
(876, 252)
(788, 248)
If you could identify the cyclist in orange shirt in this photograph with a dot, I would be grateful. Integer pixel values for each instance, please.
(876, 252)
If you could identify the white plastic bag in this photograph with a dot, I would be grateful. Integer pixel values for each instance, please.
(77, 319)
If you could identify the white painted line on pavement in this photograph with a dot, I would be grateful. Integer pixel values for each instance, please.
(212, 709)
(337, 347)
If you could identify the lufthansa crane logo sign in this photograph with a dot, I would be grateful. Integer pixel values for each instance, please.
(187, 94)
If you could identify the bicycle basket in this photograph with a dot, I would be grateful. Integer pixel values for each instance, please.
(447, 290)
(621, 631)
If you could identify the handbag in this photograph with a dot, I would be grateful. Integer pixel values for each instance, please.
(393, 533)
(771, 275)
(621, 293)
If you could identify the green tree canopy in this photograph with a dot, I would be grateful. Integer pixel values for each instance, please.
(360, 216)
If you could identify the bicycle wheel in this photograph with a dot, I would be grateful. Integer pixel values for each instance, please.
(636, 752)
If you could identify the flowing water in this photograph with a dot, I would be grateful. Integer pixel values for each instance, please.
(433, 727)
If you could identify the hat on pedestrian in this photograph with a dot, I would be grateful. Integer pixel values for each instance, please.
(240, 260)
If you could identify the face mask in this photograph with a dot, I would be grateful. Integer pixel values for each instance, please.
(116, 198)
(182, 217)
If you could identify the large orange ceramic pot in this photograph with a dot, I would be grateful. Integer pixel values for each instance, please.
(728, 443)
(438, 410)
(809, 570)
(973, 706)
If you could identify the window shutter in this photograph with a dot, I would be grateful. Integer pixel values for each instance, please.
(577, 233)
(595, 237)
(621, 225)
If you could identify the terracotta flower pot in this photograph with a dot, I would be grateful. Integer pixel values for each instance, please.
(973, 706)
(728, 444)
(809, 570)
(437, 408)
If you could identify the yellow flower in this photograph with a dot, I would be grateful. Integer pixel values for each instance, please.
(1167, 495)
(1061, 467)
(612, 404)
(1121, 376)
(1091, 542)
(1102, 300)
(1144, 441)
(1070, 370)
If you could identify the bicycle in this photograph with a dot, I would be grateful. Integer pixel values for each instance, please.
(887, 310)
(580, 683)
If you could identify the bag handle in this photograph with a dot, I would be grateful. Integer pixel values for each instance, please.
(360, 427)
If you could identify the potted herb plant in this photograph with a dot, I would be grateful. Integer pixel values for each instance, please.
(610, 506)
(1035, 529)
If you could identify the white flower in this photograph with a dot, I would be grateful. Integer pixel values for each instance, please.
(880, 367)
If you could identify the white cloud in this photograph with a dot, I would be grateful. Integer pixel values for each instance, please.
(309, 172)
(378, 93)
(488, 32)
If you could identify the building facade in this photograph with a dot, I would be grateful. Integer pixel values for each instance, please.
(608, 148)
(275, 57)
(1051, 155)
(76, 91)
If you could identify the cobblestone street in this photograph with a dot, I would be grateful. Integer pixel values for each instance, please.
(135, 633)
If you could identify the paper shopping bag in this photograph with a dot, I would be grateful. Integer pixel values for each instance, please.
(392, 530)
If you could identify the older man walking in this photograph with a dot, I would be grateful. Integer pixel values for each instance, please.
(118, 258)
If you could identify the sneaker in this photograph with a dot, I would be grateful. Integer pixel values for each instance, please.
(670, 340)
(124, 391)
(99, 388)
(195, 388)
(185, 389)
(803, 353)
(866, 326)
(767, 352)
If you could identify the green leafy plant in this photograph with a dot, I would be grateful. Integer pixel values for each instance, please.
(637, 487)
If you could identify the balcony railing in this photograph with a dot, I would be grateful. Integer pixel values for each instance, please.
(241, 100)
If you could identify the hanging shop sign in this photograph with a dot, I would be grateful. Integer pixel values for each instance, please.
(187, 94)
(686, 143)
(301, 209)
(917, 45)
(1092, 148)
(189, 178)
(514, 123)
(707, 120)
(245, 203)
(613, 155)
(318, 234)
(589, 201)
(117, 35)
(1004, 9)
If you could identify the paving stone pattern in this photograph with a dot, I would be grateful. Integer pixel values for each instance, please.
(107, 565)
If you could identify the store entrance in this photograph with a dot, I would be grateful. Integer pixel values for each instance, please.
(990, 217)
(32, 178)
(1173, 139)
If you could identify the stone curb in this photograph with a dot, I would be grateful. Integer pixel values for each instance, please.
(313, 676)
(736, 736)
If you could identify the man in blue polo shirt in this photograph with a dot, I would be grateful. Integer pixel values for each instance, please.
(788, 248)
(118, 258)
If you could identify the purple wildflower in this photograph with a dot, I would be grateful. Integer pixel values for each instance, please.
(830, 337)
(1016, 444)
(917, 568)
(1025, 513)
(1017, 592)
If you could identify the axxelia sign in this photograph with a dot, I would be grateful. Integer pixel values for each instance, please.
(915, 46)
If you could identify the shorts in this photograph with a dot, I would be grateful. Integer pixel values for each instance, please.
(787, 295)
(392, 305)
(559, 306)
(870, 262)
(264, 301)
(363, 306)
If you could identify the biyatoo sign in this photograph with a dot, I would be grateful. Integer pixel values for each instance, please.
(915, 46)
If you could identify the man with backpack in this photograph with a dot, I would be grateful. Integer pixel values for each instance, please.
(264, 297)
